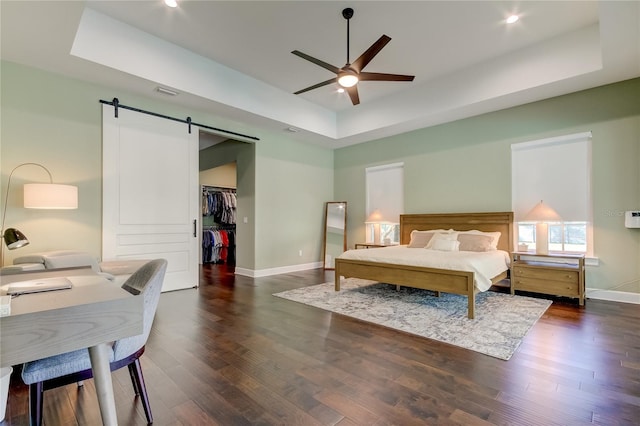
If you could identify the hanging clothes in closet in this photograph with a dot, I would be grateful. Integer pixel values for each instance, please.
(218, 245)
(219, 204)
(219, 219)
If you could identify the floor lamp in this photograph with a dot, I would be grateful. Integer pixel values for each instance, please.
(36, 196)
(542, 214)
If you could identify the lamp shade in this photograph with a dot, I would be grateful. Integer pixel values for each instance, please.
(375, 217)
(14, 239)
(50, 196)
(542, 213)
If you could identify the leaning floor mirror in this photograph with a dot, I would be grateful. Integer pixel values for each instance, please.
(335, 232)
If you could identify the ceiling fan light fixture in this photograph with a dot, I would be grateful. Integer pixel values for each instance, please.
(347, 79)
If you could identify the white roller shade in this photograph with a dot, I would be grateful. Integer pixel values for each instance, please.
(556, 171)
(385, 191)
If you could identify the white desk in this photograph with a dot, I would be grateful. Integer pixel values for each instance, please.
(92, 314)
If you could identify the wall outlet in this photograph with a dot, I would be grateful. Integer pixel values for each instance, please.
(300, 253)
(5, 306)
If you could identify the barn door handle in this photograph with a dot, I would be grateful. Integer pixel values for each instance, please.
(195, 224)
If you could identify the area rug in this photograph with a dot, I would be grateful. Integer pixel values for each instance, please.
(501, 320)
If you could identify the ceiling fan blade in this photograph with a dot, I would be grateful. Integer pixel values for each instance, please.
(353, 94)
(377, 76)
(323, 64)
(370, 53)
(315, 86)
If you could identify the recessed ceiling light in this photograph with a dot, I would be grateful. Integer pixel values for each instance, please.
(171, 3)
(512, 19)
(340, 90)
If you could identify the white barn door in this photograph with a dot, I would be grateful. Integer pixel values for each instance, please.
(150, 205)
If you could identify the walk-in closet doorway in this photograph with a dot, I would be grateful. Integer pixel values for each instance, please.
(218, 189)
(226, 203)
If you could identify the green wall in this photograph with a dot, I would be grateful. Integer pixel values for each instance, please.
(458, 166)
(464, 166)
(293, 182)
(56, 121)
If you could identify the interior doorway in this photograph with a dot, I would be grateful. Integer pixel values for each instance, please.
(232, 164)
(218, 186)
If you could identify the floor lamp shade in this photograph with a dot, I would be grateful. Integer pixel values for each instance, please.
(50, 196)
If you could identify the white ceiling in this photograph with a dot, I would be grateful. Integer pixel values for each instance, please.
(233, 58)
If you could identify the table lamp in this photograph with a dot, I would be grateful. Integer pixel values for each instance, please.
(542, 214)
(375, 219)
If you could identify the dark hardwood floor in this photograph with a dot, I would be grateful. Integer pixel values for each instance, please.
(229, 353)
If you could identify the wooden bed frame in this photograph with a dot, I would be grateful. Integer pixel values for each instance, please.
(450, 281)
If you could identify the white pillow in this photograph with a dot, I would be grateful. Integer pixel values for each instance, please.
(446, 236)
(495, 236)
(445, 245)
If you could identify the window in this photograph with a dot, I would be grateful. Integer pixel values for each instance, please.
(384, 187)
(557, 171)
(563, 236)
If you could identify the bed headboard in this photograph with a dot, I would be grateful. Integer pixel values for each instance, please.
(486, 222)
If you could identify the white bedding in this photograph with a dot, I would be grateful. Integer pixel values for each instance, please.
(484, 265)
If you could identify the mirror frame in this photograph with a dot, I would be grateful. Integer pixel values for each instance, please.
(324, 238)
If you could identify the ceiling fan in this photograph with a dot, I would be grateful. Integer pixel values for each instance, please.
(349, 75)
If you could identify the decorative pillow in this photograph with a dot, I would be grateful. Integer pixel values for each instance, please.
(447, 236)
(445, 245)
(475, 242)
(495, 236)
(423, 236)
(420, 239)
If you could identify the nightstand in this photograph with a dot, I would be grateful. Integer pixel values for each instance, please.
(553, 274)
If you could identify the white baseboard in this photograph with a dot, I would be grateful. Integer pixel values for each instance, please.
(613, 296)
(277, 271)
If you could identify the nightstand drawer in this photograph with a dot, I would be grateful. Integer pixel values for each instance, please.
(560, 274)
(536, 285)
